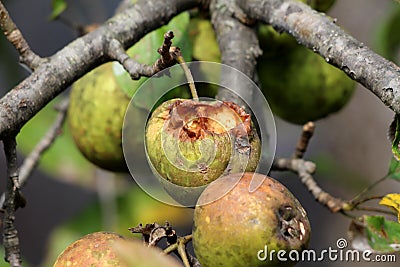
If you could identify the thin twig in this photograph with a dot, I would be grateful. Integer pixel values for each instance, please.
(32, 160)
(153, 233)
(363, 200)
(45, 143)
(10, 233)
(373, 209)
(367, 189)
(182, 253)
(171, 248)
(166, 60)
(15, 37)
(179, 247)
(302, 144)
(180, 240)
(169, 55)
(305, 169)
(136, 70)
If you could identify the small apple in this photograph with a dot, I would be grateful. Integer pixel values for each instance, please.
(112, 250)
(298, 84)
(95, 118)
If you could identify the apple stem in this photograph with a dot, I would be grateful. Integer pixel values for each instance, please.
(179, 58)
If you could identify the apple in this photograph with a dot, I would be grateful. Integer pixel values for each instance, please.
(108, 249)
(191, 143)
(299, 85)
(237, 228)
(95, 118)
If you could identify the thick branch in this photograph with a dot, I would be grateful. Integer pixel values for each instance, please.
(14, 36)
(10, 234)
(320, 33)
(238, 44)
(82, 55)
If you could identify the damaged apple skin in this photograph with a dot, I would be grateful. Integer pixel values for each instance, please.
(191, 143)
(229, 230)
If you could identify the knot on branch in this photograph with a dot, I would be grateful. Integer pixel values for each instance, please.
(153, 233)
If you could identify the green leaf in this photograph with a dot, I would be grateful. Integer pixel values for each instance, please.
(58, 7)
(387, 38)
(375, 233)
(394, 170)
(145, 51)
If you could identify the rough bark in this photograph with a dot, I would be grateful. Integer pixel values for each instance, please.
(238, 44)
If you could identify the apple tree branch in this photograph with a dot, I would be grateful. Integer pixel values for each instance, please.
(238, 43)
(320, 33)
(10, 233)
(54, 75)
(15, 37)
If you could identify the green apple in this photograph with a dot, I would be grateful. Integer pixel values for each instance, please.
(95, 117)
(298, 84)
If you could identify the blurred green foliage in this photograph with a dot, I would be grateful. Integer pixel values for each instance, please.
(387, 37)
(58, 6)
(133, 207)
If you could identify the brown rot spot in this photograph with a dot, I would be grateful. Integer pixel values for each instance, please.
(286, 213)
(193, 120)
(290, 223)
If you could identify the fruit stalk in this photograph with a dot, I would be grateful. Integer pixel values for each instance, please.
(179, 58)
